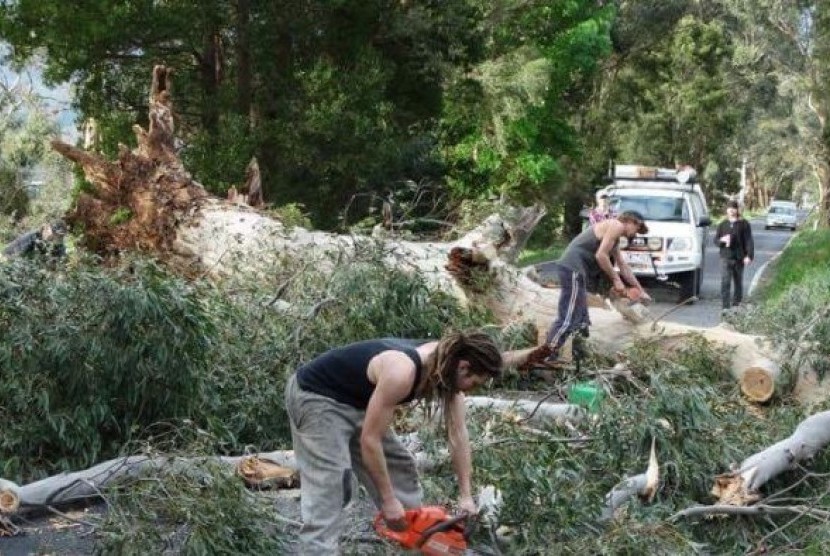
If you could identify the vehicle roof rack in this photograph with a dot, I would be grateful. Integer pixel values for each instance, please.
(634, 172)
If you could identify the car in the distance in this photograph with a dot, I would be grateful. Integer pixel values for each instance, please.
(782, 214)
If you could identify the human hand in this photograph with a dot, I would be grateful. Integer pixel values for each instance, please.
(394, 515)
(618, 285)
(467, 505)
(747, 260)
(726, 239)
(644, 296)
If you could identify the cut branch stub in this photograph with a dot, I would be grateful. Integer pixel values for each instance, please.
(262, 472)
(9, 497)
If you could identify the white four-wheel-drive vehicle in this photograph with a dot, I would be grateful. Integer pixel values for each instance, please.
(675, 210)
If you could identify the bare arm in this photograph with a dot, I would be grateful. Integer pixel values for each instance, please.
(395, 374)
(460, 451)
(611, 233)
(516, 358)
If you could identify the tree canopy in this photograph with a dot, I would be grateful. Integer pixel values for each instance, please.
(348, 105)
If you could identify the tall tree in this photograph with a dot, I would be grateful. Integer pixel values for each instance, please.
(508, 126)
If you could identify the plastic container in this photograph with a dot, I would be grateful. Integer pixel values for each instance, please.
(586, 394)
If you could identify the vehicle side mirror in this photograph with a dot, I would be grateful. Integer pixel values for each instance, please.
(703, 221)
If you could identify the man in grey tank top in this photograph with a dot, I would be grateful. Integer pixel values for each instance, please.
(588, 255)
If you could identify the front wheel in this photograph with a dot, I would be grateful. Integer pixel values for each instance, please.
(689, 284)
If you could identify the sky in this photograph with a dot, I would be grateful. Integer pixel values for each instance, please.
(58, 100)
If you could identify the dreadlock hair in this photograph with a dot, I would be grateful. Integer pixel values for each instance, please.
(439, 379)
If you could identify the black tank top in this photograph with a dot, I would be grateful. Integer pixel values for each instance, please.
(340, 373)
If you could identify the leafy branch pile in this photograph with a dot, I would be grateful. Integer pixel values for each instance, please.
(159, 365)
(92, 358)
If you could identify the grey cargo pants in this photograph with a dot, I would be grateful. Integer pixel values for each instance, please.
(326, 438)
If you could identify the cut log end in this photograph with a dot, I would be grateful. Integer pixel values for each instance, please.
(262, 472)
(757, 384)
(9, 501)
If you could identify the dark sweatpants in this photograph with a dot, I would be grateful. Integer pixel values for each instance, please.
(573, 305)
(731, 278)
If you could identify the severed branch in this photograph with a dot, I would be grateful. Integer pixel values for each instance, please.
(527, 411)
(740, 488)
(81, 485)
(753, 511)
(643, 485)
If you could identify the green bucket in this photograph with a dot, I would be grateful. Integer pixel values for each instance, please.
(586, 394)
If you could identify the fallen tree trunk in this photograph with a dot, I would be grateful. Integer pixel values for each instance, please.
(740, 488)
(271, 469)
(147, 201)
(89, 483)
(752, 360)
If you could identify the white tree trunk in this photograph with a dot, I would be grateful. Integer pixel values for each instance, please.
(741, 487)
(89, 483)
(174, 218)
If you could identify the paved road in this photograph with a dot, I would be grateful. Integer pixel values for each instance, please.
(706, 312)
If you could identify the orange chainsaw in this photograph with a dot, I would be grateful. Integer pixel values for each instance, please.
(430, 530)
(632, 294)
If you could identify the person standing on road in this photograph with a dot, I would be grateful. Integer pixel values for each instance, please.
(341, 406)
(737, 250)
(593, 252)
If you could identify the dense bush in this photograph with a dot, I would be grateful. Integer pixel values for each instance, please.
(90, 357)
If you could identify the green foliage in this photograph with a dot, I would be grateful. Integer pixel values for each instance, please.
(14, 201)
(90, 358)
(199, 510)
(673, 103)
(219, 159)
(531, 257)
(292, 215)
(506, 124)
(804, 260)
(554, 484)
(120, 216)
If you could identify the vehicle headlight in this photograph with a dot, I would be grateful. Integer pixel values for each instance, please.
(655, 243)
(680, 244)
(623, 242)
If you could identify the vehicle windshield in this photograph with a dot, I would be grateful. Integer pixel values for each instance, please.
(661, 209)
(782, 210)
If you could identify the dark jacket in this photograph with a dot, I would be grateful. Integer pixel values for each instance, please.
(740, 244)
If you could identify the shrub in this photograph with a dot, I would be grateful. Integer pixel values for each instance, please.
(90, 357)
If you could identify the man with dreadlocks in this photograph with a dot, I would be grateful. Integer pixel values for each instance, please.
(341, 405)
